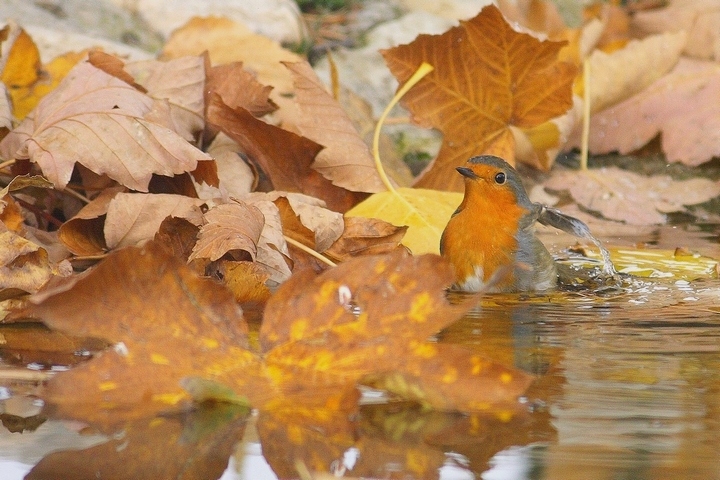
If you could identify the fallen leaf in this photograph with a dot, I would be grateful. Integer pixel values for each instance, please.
(165, 323)
(246, 280)
(699, 18)
(25, 266)
(487, 78)
(229, 229)
(236, 178)
(107, 115)
(227, 41)
(83, 234)
(178, 236)
(635, 199)
(272, 249)
(21, 67)
(285, 157)
(112, 65)
(365, 236)
(306, 219)
(680, 106)
(623, 73)
(133, 218)
(424, 212)
(180, 82)
(309, 330)
(346, 159)
(5, 111)
(239, 88)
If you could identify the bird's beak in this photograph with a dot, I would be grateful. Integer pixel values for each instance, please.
(466, 172)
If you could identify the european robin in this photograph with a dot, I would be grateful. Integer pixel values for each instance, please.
(490, 239)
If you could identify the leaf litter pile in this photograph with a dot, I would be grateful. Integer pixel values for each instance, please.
(148, 204)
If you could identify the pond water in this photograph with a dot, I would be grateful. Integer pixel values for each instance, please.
(627, 387)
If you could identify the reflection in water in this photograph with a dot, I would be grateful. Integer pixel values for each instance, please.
(627, 387)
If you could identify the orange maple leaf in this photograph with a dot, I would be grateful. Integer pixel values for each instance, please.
(488, 78)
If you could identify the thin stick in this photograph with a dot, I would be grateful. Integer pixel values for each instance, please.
(586, 116)
(6, 164)
(75, 194)
(310, 251)
(25, 375)
(422, 70)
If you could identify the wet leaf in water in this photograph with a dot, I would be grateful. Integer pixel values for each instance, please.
(165, 323)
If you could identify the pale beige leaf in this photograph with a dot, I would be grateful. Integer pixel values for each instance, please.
(97, 120)
(236, 176)
(326, 225)
(229, 227)
(635, 199)
(346, 160)
(272, 249)
(181, 83)
(24, 265)
(699, 18)
(682, 106)
(5, 108)
(133, 218)
(623, 73)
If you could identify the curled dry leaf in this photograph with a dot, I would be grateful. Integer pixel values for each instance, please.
(97, 120)
(24, 266)
(346, 159)
(365, 236)
(635, 199)
(285, 157)
(487, 77)
(681, 106)
(229, 228)
(238, 87)
(305, 218)
(83, 234)
(133, 218)
(236, 178)
(272, 249)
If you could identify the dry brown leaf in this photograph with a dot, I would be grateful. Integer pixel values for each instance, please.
(366, 236)
(178, 236)
(230, 228)
(272, 249)
(83, 234)
(236, 178)
(487, 78)
(699, 18)
(112, 65)
(305, 218)
(227, 41)
(97, 120)
(682, 106)
(284, 156)
(635, 199)
(238, 88)
(246, 280)
(25, 266)
(134, 218)
(179, 82)
(346, 159)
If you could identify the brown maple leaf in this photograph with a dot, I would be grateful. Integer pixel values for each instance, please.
(487, 78)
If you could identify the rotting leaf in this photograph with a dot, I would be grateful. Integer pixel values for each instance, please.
(487, 78)
(107, 114)
(365, 236)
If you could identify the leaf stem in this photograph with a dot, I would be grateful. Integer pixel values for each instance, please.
(422, 70)
(6, 164)
(586, 116)
(310, 251)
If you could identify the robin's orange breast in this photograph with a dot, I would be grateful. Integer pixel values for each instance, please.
(490, 239)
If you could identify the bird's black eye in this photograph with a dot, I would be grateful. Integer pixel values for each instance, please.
(500, 178)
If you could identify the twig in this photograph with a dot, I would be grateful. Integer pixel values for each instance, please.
(6, 164)
(75, 194)
(586, 115)
(310, 251)
(41, 213)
